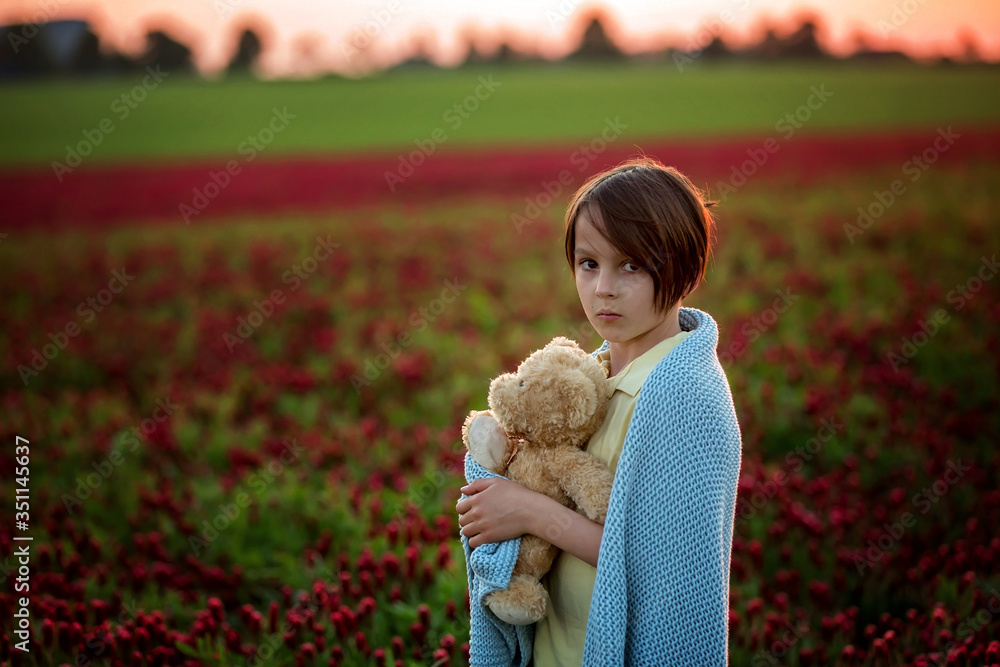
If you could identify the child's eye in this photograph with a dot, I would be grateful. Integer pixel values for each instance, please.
(583, 263)
(635, 267)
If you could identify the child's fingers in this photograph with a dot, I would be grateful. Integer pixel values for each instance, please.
(475, 486)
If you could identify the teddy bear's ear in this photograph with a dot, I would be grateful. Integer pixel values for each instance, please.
(563, 341)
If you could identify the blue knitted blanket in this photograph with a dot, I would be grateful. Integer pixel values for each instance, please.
(492, 642)
(661, 596)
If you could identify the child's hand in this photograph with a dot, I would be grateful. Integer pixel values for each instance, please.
(496, 510)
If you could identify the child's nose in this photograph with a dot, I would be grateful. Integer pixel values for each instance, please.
(606, 285)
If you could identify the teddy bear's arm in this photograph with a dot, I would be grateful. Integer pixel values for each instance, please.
(486, 441)
(585, 480)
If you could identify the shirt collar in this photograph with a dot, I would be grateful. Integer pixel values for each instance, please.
(630, 379)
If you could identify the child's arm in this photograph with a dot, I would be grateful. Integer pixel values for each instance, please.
(567, 529)
(498, 509)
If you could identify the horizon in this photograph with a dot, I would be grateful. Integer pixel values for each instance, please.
(367, 37)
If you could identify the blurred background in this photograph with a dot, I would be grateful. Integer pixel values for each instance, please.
(260, 259)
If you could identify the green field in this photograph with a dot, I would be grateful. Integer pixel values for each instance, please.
(189, 117)
(862, 360)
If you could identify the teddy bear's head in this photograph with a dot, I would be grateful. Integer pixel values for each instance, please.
(558, 396)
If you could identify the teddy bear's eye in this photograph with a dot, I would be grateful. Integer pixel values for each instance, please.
(522, 384)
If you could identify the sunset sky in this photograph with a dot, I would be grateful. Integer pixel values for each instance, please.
(308, 36)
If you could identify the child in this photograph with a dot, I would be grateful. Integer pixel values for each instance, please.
(650, 586)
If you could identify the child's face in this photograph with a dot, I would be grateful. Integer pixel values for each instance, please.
(607, 280)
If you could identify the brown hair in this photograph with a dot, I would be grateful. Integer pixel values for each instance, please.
(653, 215)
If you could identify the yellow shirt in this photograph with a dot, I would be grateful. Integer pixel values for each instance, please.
(559, 637)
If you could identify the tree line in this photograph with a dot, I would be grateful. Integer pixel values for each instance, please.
(70, 48)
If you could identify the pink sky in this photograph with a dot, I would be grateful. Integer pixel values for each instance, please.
(924, 28)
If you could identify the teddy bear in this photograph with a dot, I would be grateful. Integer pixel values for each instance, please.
(539, 420)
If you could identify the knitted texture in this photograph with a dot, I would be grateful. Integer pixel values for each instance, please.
(488, 566)
(661, 596)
